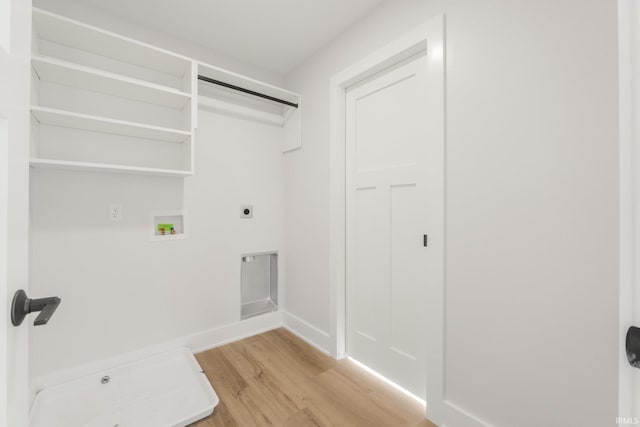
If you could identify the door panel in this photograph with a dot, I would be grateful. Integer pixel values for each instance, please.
(389, 137)
(405, 271)
(407, 343)
(368, 250)
(386, 203)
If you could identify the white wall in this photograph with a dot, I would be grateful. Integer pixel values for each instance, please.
(120, 292)
(532, 202)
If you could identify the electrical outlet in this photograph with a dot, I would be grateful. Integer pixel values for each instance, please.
(115, 212)
(246, 211)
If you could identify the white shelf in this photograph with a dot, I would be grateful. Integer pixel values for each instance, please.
(82, 77)
(101, 167)
(247, 83)
(54, 117)
(68, 32)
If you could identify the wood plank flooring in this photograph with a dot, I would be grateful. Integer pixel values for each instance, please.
(276, 379)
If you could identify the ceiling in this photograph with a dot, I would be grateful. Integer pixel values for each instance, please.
(274, 34)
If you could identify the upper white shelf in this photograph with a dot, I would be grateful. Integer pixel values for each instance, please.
(82, 77)
(68, 32)
(54, 117)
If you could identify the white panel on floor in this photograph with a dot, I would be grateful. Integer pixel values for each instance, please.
(166, 390)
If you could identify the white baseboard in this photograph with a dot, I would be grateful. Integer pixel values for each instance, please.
(307, 332)
(197, 342)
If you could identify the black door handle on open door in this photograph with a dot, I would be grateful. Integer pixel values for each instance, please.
(633, 346)
(21, 306)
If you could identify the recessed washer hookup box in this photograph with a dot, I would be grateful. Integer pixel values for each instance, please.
(259, 284)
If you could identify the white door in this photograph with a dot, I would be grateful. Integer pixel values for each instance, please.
(15, 71)
(387, 207)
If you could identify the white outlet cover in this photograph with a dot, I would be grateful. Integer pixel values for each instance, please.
(115, 212)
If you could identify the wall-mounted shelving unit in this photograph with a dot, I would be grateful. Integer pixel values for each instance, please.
(94, 91)
(112, 93)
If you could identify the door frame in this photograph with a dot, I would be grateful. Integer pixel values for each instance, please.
(15, 66)
(397, 51)
(393, 53)
(629, 156)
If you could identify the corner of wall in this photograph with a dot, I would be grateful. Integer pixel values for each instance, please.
(307, 332)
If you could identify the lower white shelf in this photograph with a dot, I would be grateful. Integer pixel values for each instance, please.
(103, 167)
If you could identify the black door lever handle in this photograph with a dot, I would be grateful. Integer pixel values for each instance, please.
(22, 305)
(633, 346)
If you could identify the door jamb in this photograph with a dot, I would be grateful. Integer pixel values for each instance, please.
(629, 155)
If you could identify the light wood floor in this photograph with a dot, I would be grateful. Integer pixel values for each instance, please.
(276, 379)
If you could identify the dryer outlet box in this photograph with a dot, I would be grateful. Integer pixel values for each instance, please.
(246, 211)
